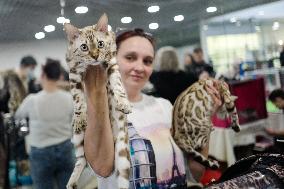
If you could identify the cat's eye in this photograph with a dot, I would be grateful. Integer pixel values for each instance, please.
(101, 44)
(84, 47)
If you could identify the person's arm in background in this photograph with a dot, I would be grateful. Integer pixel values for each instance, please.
(98, 142)
(275, 132)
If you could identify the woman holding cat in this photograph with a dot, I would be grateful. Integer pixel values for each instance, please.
(156, 161)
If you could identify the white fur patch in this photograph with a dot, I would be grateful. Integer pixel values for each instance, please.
(79, 151)
(123, 163)
(78, 138)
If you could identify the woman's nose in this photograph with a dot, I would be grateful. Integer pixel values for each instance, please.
(139, 66)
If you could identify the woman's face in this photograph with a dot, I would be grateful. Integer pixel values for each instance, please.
(135, 59)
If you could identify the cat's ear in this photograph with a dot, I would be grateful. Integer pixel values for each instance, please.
(71, 31)
(102, 23)
(234, 98)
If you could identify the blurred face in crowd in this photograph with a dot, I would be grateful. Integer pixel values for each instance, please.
(187, 60)
(279, 102)
(198, 56)
(135, 57)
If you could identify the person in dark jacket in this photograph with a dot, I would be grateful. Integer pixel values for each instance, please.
(199, 68)
(168, 80)
(282, 57)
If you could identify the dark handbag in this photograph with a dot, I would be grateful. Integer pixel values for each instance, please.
(261, 171)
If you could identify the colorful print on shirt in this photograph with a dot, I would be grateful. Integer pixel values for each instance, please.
(156, 161)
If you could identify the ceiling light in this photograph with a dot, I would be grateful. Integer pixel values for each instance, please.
(126, 20)
(66, 20)
(39, 35)
(280, 42)
(49, 28)
(60, 20)
(81, 10)
(233, 19)
(109, 27)
(152, 9)
(153, 26)
(178, 18)
(211, 9)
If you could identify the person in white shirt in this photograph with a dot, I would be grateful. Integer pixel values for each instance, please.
(50, 113)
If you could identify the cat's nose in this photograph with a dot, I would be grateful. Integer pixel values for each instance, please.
(94, 54)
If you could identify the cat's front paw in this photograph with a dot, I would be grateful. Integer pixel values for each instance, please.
(124, 106)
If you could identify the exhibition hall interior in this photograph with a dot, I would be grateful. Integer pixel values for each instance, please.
(141, 94)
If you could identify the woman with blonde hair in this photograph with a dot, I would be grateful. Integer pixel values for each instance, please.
(168, 79)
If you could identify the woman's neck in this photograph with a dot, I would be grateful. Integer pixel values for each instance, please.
(134, 95)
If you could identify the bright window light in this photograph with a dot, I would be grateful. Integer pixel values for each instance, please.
(211, 9)
(39, 35)
(109, 27)
(126, 20)
(275, 25)
(179, 18)
(233, 19)
(257, 28)
(280, 42)
(154, 26)
(49, 28)
(153, 9)
(81, 10)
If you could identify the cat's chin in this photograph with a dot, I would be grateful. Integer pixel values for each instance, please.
(95, 63)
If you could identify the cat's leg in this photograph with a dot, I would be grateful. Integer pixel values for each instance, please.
(122, 156)
(235, 121)
(79, 124)
(189, 149)
(117, 89)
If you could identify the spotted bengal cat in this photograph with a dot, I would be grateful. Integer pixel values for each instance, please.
(191, 125)
(91, 46)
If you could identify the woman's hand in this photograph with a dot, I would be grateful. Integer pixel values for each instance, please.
(214, 93)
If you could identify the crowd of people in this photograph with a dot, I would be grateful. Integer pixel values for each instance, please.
(49, 109)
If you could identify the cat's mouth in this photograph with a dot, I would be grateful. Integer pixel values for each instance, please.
(95, 62)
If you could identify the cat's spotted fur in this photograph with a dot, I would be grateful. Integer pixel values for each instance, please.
(91, 46)
(191, 126)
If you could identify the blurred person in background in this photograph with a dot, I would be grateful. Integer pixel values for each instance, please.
(187, 60)
(168, 80)
(26, 74)
(282, 57)
(199, 68)
(277, 98)
(50, 113)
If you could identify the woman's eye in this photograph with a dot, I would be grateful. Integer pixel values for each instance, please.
(84, 47)
(148, 62)
(130, 58)
(101, 44)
